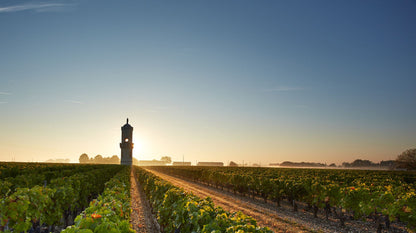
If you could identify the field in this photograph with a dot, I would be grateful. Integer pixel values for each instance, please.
(39, 197)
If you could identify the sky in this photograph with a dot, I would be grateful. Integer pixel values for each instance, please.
(254, 81)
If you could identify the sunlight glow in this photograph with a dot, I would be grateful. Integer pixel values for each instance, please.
(138, 147)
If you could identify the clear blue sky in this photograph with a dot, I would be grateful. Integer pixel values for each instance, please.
(260, 81)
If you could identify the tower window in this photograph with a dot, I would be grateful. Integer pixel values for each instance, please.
(126, 140)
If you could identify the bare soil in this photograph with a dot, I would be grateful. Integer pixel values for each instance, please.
(278, 219)
(141, 217)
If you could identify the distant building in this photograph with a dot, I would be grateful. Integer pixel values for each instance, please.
(57, 161)
(126, 144)
(301, 164)
(181, 164)
(210, 164)
(388, 163)
(151, 163)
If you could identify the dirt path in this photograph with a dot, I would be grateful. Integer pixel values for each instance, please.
(141, 217)
(264, 216)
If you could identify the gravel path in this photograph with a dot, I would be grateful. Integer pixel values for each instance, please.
(141, 217)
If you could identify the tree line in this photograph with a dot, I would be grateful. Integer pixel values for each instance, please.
(99, 159)
(406, 160)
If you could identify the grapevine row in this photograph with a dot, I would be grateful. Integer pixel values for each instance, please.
(178, 211)
(52, 204)
(39, 175)
(110, 212)
(12, 169)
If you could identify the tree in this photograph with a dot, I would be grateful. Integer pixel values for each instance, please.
(407, 159)
(166, 159)
(98, 159)
(233, 164)
(362, 163)
(115, 160)
(83, 158)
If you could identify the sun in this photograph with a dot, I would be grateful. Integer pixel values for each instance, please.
(138, 146)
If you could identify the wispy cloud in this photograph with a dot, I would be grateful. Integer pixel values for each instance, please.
(39, 7)
(74, 101)
(5, 93)
(284, 89)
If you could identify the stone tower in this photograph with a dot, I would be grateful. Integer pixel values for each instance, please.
(126, 144)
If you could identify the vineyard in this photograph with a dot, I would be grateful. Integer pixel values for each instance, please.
(382, 197)
(178, 211)
(37, 197)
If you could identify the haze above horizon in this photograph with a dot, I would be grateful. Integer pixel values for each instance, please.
(259, 81)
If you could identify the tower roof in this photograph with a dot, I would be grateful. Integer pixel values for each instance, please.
(127, 126)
